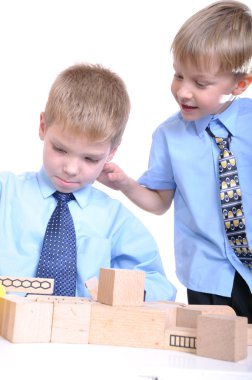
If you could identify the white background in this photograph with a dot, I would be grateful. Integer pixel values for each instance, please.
(132, 38)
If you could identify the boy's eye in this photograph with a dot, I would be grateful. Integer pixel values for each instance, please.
(178, 76)
(58, 149)
(92, 160)
(201, 84)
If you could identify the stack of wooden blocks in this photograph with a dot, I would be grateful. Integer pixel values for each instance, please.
(117, 315)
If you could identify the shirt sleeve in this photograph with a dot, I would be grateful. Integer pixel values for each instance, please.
(135, 248)
(159, 175)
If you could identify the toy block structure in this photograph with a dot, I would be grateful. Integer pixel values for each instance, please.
(27, 284)
(133, 326)
(181, 339)
(70, 318)
(222, 337)
(121, 287)
(117, 315)
(25, 320)
(188, 316)
(182, 335)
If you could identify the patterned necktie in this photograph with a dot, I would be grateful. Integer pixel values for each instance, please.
(58, 256)
(231, 200)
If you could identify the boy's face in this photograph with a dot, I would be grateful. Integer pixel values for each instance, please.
(71, 160)
(200, 93)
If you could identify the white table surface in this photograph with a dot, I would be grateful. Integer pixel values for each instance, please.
(39, 361)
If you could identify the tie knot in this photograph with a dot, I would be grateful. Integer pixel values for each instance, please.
(223, 143)
(63, 197)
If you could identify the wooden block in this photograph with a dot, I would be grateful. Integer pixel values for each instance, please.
(180, 339)
(92, 286)
(187, 315)
(31, 285)
(71, 318)
(222, 337)
(250, 335)
(25, 321)
(1, 314)
(132, 326)
(71, 321)
(170, 309)
(45, 298)
(121, 287)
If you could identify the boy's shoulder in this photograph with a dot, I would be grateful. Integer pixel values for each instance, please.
(11, 177)
(245, 105)
(103, 200)
(173, 125)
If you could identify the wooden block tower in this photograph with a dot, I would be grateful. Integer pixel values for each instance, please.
(118, 315)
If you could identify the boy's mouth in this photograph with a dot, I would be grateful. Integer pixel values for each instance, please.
(66, 183)
(186, 107)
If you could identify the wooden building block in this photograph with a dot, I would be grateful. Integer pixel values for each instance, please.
(71, 318)
(223, 337)
(92, 286)
(121, 287)
(187, 315)
(132, 326)
(45, 298)
(169, 308)
(24, 320)
(71, 321)
(250, 335)
(180, 339)
(31, 285)
(1, 314)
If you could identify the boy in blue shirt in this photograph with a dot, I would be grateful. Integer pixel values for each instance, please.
(212, 54)
(81, 127)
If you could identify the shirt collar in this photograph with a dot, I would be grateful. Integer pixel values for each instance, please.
(47, 189)
(228, 118)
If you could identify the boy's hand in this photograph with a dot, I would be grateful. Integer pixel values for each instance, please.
(114, 177)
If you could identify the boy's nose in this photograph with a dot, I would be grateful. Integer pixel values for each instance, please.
(184, 92)
(71, 167)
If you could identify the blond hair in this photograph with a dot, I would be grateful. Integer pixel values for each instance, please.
(219, 33)
(91, 100)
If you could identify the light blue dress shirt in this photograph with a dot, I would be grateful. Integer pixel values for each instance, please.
(184, 158)
(108, 234)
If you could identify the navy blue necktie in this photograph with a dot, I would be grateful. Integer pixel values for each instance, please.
(58, 256)
(231, 201)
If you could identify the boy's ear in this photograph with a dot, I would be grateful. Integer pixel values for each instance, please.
(42, 127)
(112, 153)
(242, 85)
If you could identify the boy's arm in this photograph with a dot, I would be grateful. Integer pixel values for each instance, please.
(135, 248)
(155, 201)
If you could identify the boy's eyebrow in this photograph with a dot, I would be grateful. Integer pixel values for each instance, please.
(97, 156)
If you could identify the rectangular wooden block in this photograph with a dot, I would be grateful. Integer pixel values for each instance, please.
(187, 315)
(27, 284)
(180, 339)
(132, 326)
(1, 314)
(46, 298)
(71, 318)
(169, 308)
(121, 287)
(25, 321)
(71, 321)
(222, 337)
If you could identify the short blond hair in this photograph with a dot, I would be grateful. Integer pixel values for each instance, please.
(89, 99)
(219, 33)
